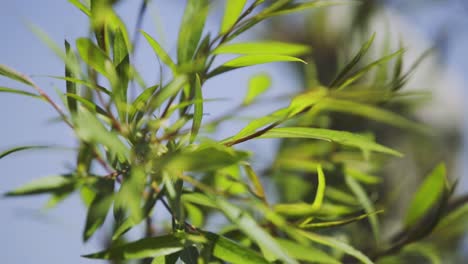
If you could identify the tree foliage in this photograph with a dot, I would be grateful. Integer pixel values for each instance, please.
(157, 148)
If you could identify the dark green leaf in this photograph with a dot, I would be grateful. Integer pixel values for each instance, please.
(230, 251)
(143, 248)
(71, 86)
(50, 184)
(16, 149)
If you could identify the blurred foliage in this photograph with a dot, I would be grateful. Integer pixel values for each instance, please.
(337, 182)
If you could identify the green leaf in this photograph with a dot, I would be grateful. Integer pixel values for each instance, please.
(355, 60)
(249, 226)
(258, 84)
(50, 184)
(231, 14)
(160, 52)
(81, 6)
(166, 92)
(297, 7)
(121, 59)
(144, 248)
(99, 207)
(430, 191)
(371, 112)
(363, 177)
(366, 203)
(249, 60)
(263, 48)
(84, 83)
(253, 177)
(14, 75)
(128, 199)
(16, 149)
(14, 91)
(71, 86)
(340, 222)
(88, 104)
(334, 243)
(191, 29)
(91, 130)
(96, 58)
(141, 101)
(232, 252)
(341, 137)
(306, 253)
(198, 109)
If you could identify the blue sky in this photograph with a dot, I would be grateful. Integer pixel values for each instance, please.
(29, 235)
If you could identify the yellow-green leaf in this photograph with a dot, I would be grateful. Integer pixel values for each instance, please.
(263, 48)
(231, 14)
(258, 84)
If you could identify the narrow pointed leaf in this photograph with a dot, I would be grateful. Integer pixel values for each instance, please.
(15, 91)
(81, 6)
(232, 252)
(95, 57)
(263, 48)
(430, 191)
(17, 149)
(341, 137)
(144, 248)
(160, 52)
(141, 101)
(198, 109)
(14, 75)
(191, 29)
(306, 253)
(250, 60)
(297, 7)
(48, 184)
(231, 14)
(88, 104)
(71, 86)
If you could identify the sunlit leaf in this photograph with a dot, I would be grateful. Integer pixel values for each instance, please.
(297, 7)
(143, 248)
(430, 191)
(231, 14)
(81, 6)
(249, 60)
(263, 48)
(160, 52)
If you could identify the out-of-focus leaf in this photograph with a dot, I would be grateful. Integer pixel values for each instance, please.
(306, 253)
(88, 104)
(355, 60)
(96, 58)
(426, 250)
(166, 92)
(297, 7)
(341, 137)
(334, 243)
(15, 91)
(207, 157)
(363, 177)
(16, 149)
(263, 48)
(258, 84)
(84, 83)
(14, 75)
(48, 184)
(430, 191)
(90, 129)
(249, 60)
(121, 58)
(231, 14)
(250, 228)
(191, 29)
(141, 101)
(198, 109)
(160, 52)
(370, 112)
(128, 199)
(232, 252)
(339, 222)
(366, 203)
(258, 187)
(189, 255)
(99, 207)
(143, 248)
(71, 86)
(81, 6)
